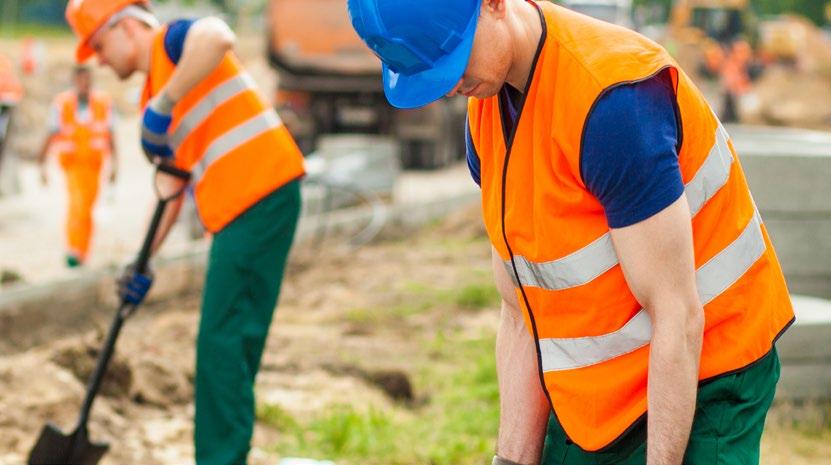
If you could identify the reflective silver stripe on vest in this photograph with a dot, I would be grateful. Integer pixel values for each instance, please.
(586, 264)
(712, 175)
(216, 97)
(153, 137)
(237, 136)
(712, 278)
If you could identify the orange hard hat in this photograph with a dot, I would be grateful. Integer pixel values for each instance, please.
(87, 16)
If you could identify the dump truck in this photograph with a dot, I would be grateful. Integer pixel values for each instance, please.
(329, 82)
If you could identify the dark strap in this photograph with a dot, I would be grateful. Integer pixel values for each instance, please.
(173, 171)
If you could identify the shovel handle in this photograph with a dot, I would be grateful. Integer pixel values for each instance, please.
(94, 384)
(144, 254)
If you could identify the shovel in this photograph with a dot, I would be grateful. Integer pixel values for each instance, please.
(54, 447)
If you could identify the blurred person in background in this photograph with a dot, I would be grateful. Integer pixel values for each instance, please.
(80, 130)
(11, 92)
(203, 114)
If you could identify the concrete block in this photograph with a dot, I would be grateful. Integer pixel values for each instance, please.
(805, 352)
(788, 170)
(802, 245)
(810, 381)
(809, 339)
(816, 285)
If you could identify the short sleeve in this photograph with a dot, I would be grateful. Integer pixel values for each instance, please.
(629, 156)
(472, 157)
(174, 39)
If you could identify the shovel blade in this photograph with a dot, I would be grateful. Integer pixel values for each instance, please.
(54, 447)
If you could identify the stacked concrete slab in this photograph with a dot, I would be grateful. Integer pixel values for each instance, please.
(805, 352)
(789, 171)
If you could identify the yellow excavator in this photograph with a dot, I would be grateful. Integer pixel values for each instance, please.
(698, 28)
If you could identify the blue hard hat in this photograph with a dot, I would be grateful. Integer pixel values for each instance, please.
(424, 44)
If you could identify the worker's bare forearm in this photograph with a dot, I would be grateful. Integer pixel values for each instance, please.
(674, 357)
(44, 149)
(171, 213)
(657, 259)
(167, 186)
(523, 407)
(206, 44)
(113, 149)
(524, 410)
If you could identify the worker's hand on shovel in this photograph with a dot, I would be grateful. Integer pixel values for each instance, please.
(154, 125)
(133, 286)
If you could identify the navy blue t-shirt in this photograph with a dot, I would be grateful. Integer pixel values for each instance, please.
(174, 39)
(629, 158)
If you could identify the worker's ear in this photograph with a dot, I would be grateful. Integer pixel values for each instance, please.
(494, 8)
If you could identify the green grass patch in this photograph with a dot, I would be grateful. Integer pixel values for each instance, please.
(477, 296)
(457, 426)
(40, 31)
(276, 417)
(416, 298)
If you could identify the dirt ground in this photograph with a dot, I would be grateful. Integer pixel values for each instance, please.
(321, 342)
(353, 337)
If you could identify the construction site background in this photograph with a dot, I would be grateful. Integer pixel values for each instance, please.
(381, 354)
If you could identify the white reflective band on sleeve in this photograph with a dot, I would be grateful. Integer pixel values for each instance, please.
(154, 138)
(712, 278)
(591, 261)
(202, 110)
(237, 136)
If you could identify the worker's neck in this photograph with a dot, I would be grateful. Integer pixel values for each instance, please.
(526, 31)
(145, 45)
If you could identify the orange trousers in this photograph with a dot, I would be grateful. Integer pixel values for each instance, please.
(82, 180)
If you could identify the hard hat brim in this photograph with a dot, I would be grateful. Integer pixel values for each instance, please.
(83, 52)
(425, 87)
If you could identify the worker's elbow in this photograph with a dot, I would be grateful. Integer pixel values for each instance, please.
(212, 35)
(694, 328)
(220, 35)
(679, 317)
(226, 40)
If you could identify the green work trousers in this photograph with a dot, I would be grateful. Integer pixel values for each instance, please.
(245, 269)
(727, 428)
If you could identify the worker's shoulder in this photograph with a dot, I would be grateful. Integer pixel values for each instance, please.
(607, 53)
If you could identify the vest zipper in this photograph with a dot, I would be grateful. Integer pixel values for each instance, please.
(509, 142)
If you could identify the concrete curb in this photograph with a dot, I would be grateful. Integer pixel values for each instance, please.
(33, 314)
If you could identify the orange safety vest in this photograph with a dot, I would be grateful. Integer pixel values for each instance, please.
(235, 146)
(11, 91)
(83, 142)
(592, 336)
